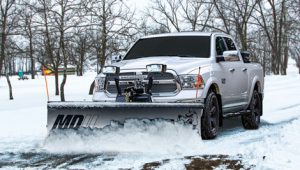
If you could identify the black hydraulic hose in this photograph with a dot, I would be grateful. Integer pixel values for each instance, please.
(150, 84)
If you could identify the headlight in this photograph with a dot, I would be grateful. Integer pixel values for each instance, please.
(99, 83)
(191, 81)
(111, 70)
(156, 68)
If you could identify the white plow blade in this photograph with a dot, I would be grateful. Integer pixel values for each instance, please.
(74, 115)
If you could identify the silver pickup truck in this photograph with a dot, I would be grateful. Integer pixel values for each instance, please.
(206, 68)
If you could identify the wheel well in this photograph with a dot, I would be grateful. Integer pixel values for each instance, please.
(215, 88)
(257, 87)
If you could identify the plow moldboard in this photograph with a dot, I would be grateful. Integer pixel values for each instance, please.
(72, 115)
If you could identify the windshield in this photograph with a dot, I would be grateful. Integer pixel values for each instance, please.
(181, 46)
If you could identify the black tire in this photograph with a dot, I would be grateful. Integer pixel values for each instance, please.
(252, 120)
(210, 117)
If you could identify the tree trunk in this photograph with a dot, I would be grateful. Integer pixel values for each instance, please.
(264, 62)
(10, 88)
(32, 69)
(298, 63)
(1, 64)
(56, 81)
(273, 64)
(10, 68)
(80, 73)
(77, 69)
(81, 65)
(62, 86)
(285, 61)
(2, 57)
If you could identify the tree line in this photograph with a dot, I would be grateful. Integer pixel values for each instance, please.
(60, 33)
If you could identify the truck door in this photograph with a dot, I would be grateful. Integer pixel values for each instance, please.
(240, 79)
(226, 75)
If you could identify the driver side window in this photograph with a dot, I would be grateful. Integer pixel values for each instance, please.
(229, 43)
(220, 46)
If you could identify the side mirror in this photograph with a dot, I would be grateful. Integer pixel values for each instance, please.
(116, 58)
(246, 56)
(232, 55)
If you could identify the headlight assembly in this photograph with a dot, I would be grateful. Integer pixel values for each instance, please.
(191, 81)
(156, 68)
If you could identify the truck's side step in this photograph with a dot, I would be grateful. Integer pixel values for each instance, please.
(228, 115)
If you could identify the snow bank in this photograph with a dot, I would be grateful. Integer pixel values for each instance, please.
(157, 138)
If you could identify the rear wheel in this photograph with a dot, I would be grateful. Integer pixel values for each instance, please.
(210, 117)
(252, 120)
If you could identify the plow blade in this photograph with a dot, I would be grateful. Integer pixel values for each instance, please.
(74, 115)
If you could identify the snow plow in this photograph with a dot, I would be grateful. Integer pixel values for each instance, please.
(74, 115)
(134, 98)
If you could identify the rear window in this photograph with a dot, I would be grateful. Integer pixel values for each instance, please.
(182, 46)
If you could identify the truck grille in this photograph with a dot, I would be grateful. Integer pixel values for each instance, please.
(163, 83)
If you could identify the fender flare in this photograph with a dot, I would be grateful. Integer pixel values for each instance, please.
(254, 82)
(213, 81)
(208, 84)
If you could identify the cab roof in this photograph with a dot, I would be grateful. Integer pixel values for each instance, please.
(181, 34)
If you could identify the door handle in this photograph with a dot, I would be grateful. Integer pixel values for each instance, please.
(232, 70)
(244, 69)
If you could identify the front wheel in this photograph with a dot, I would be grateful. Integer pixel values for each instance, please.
(210, 117)
(251, 120)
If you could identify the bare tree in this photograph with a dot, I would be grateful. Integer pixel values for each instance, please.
(235, 14)
(111, 21)
(49, 38)
(296, 56)
(65, 19)
(180, 15)
(28, 31)
(294, 39)
(196, 13)
(79, 49)
(276, 28)
(169, 11)
(8, 21)
(147, 28)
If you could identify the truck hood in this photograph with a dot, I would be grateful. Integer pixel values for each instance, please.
(182, 65)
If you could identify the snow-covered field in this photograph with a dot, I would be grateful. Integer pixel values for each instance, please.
(23, 131)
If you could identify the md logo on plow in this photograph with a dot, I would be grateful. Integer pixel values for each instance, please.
(68, 122)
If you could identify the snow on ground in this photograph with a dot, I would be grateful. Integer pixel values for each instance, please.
(23, 131)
